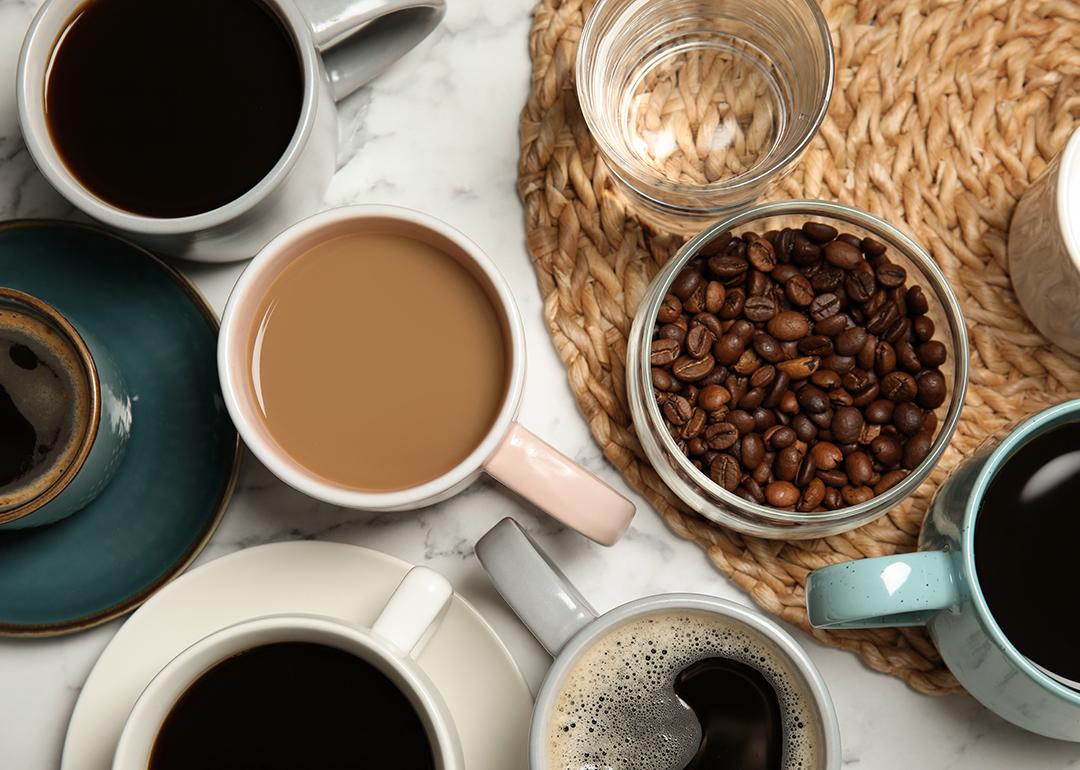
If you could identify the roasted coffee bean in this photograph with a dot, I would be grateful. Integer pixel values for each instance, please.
(725, 472)
(763, 419)
(864, 359)
(753, 451)
(780, 437)
(916, 450)
(931, 384)
(751, 485)
(742, 329)
(788, 325)
(826, 455)
(908, 418)
(690, 393)
(783, 244)
(798, 290)
(733, 304)
(663, 352)
(777, 389)
(840, 397)
(727, 266)
(695, 425)
(782, 273)
(699, 340)
(888, 481)
(842, 254)
(847, 424)
(695, 447)
(813, 399)
(742, 420)
(671, 332)
(752, 399)
(799, 368)
(858, 381)
(686, 283)
(884, 358)
(813, 495)
(782, 494)
(819, 232)
(871, 247)
(718, 244)
(906, 357)
(851, 341)
(833, 325)
(763, 377)
(807, 470)
(670, 309)
(916, 301)
(760, 309)
(859, 468)
(768, 348)
(804, 429)
(692, 369)
(880, 412)
(788, 404)
(763, 473)
(761, 255)
(900, 330)
(787, 463)
(823, 420)
(817, 345)
(710, 322)
(860, 285)
(839, 364)
(728, 348)
(662, 379)
(929, 423)
(850, 240)
(748, 363)
(824, 306)
(717, 376)
(695, 303)
(721, 435)
(827, 280)
(712, 397)
(899, 386)
(923, 328)
(826, 379)
(804, 251)
(932, 354)
(832, 499)
(891, 275)
(758, 284)
(714, 296)
(835, 479)
(880, 322)
(886, 450)
(677, 410)
(856, 495)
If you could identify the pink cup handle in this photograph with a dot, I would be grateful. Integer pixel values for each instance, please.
(554, 483)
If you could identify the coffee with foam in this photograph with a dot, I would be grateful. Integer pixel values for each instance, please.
(618, 707)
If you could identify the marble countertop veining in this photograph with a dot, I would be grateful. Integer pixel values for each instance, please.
(439, 133)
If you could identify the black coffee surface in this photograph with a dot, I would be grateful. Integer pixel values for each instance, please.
(292, 706)
(742, 726)
(18, 440)
(170, 109)
(1025, 548)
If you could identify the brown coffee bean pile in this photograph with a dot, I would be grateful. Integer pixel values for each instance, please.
(798, 369)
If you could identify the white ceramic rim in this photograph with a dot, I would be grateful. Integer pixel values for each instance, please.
(37, 51)
(1068, 197)
(140, 732)
(233, 342)
(786, 645)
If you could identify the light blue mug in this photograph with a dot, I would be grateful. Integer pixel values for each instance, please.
(938, 587)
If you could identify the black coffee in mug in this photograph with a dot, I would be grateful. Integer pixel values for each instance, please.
(292, 705)
(1025, 547)
(171, 108)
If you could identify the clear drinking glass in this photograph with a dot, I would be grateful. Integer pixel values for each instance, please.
(698, 106)
(711, 500)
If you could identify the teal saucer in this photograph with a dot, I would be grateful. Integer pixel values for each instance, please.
(181, 463)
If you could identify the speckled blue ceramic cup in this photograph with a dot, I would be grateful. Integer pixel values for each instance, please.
(938, 587)
(81, 409)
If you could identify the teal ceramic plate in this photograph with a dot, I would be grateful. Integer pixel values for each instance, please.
(181, 463)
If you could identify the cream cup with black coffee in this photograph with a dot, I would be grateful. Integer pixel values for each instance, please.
(373, 357)
(65, 415)
(667, 682)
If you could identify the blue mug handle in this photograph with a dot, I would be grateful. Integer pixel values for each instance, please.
(884, 592)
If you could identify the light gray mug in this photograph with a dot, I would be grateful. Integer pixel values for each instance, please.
(341, 44)
(562, 620)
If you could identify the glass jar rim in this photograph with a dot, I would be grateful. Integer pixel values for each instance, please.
(944, 295)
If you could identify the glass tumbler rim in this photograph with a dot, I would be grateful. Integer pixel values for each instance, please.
(624, 167)
(742, 514)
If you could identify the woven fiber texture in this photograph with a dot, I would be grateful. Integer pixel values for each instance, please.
(943, 113)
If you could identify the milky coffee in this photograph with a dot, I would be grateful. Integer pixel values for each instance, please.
(44, 404)
(684, 690)
(379, 362)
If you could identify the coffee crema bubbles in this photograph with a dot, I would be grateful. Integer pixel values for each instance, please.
(744, 705)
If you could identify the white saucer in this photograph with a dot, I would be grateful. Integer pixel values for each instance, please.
(486, 693)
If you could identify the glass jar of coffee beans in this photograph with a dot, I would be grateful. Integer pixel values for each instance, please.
(797, 369)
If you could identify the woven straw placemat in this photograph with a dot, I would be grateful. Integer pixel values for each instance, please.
(943, 113)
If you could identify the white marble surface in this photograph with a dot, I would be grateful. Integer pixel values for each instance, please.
(439, 133)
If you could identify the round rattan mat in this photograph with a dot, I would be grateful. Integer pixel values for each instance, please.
(943, 113)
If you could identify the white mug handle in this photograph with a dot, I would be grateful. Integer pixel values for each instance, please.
(413, 613)
(358, 39)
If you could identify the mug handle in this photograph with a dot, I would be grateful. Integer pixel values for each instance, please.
(414, 611)
(884, 592)
(358, 39)
(557, 485)
(536, 590)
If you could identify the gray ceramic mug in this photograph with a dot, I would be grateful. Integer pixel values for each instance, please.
(341, 44)
(562, 620)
